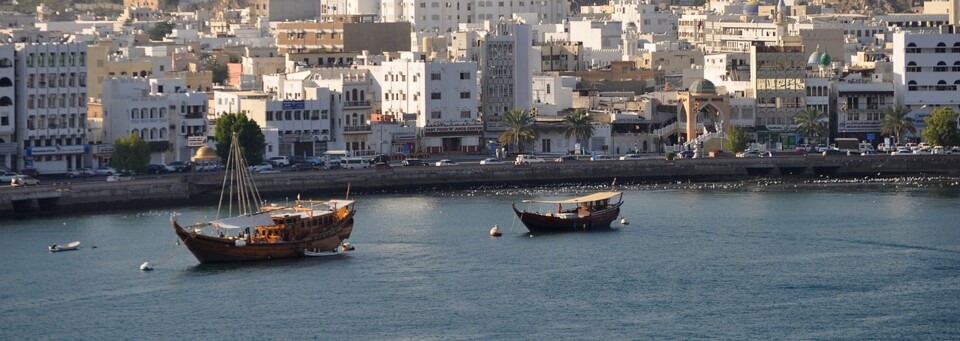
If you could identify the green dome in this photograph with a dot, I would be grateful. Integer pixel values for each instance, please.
(703, 87)
(825, 59)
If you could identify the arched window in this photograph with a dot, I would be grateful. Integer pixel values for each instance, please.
(163, 112)
(6, 62)
(956, 47)
(912, 86)
(912, 67)
(912, 48)
(5, 101)
(153, 112)
(362, 96)
(144, 133)
(153, 134)
(942, 85)
(355, 97)
(143, 113)
(5, 82)
(941, 67)
(941, 48)
(956, 66)
(134, 113)
(163, 133)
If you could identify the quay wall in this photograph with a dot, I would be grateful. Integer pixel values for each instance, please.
(179, 190)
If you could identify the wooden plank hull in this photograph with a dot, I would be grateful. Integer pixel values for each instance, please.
(211, 249)
(540, 222)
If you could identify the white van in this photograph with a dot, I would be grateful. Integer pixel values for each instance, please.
(355, 163)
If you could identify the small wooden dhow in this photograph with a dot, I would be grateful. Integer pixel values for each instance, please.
(594, 211)
(261, 232)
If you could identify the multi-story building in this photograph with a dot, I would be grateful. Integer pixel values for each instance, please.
(778, 74)
(862, 104)
(506, 82)
(645, 16)
(51, 108)
(353, 105)
(926, 71)
(350, 34)
(439, 98)
(163, 112)
(8, 113)
(292, 125)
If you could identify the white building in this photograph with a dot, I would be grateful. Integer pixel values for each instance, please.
(439, 98)
(51, 105)
(926, 71)
(163, 112)
(862, 104)
(291, 126)
(645, 16)
(8, 113)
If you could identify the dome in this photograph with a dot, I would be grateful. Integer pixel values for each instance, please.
(825, 60)
(703, 87)
(814, 58)
(205, 153)
(751, 7)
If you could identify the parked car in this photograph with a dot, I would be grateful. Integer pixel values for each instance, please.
(177, 166)
(492, 161)
(833, 152)
(685, 154)
(6, 176)
(602, 157)
(156, 169)
(749, 153)
(566, 158)
(333, 165)
(265, 166)
(23, 180)
(524, 159)
(631, 157)
(73, 173)
(279, 161)
(445, 162)
(105, 171)
(414, 162)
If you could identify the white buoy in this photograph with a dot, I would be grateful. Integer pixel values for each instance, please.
(146, 266)
(495, 231)
(346, 246)
(624, 221)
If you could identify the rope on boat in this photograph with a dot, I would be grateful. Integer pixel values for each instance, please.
(169, 254)
(514, 223)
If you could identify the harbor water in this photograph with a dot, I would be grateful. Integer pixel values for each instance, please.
(745, 260)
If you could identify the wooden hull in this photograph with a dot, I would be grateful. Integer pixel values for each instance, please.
(210, 249)
(540, 222)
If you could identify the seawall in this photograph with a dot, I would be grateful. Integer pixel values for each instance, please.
(158, 191)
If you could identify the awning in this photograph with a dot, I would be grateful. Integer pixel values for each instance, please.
(588, 198)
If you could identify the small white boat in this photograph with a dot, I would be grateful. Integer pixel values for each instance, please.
(495, 231)
(146, 266)
(64, 247)
(318, 253)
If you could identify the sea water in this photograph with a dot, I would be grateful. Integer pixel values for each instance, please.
(743, 260)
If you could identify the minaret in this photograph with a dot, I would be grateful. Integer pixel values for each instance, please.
(781, 22)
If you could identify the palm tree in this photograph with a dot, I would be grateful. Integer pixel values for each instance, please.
(809, 122)
(895, 122)
(519, 129)
(579, 125)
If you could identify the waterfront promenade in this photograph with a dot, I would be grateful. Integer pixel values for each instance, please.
(179, 189)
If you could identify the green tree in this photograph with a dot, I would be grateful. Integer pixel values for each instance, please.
(131, 153)
(579, 125)
(737, 139)
(895, 122)
(809, 123)
(942, 128)
(160, 30)
(519, 129)
(218, 69)
(252, 141)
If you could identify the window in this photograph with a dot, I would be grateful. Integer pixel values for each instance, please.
(435, 95)
(435, 114)
(465, 95)
(435, 76)
(269, 115)
(941, 67)
(941, 48)
(465, 114)
(464, 75)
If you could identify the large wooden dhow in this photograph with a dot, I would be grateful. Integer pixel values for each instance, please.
(260, 232)
(594, 211)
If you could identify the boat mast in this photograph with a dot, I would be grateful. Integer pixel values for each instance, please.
(237, 177)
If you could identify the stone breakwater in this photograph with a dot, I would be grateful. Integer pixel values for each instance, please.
(157, 191)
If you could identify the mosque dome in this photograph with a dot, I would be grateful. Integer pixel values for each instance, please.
(703, 87)
(205, 153)
(825, 60)
(751, 7)
(814, 58)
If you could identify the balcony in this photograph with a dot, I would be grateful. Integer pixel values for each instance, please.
(361, 129)
(356, 104)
